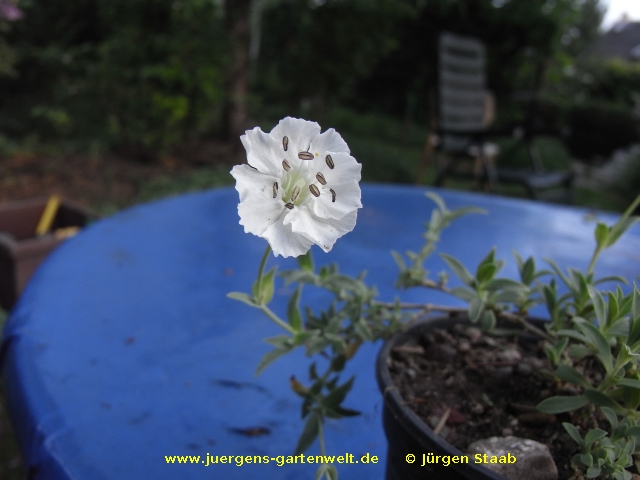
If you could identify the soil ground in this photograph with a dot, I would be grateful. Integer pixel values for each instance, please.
(488, 387)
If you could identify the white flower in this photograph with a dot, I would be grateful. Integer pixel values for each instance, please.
(300, 186)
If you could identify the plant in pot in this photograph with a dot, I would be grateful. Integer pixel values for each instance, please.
(483, 372)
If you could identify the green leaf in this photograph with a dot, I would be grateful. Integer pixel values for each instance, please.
(270, 357)
(593, 472)
(634, 332)
(437, 199)
(601, 233)
(486, 272)
(488, 321)
(569, 374)
(578, 351)
(263, 288)
(602, 400)
(279, 341)
(586, 459)
(594, 435)
(611, 278)
(305, 262)
(476, 307)
(611, 416)
(528, 270)
(461, 272)
(309, 433)
(559, 404)
(337, 395)
(302, 276)
(464, 293)
(559, 272)
(635, 433)
(347, 412)
(399, 260)
(598, 306)
(573, 433)
(502, 283)
(362, 330)
(629, 382)
(600, 342)
(614, 308)
(620, 228)
(242, 297)
(293, 309)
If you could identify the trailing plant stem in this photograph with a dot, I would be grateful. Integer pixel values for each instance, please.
(277, 320)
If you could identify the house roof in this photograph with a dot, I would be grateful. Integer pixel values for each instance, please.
(622, 41)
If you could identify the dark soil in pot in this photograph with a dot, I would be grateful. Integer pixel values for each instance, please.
(486, 386)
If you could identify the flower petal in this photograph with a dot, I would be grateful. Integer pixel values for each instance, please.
(329, 141)
(284, 241)
(323, 231)
(250, 180)
(258, 211)
(346, 169)
(299, 132)
(347, 195)
(262, 151)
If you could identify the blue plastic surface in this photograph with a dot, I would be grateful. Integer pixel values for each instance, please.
(124, 347)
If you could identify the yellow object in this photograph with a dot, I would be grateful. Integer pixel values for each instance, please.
(49, 213)
(66, 232)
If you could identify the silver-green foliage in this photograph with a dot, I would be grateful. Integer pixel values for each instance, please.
(584, 322)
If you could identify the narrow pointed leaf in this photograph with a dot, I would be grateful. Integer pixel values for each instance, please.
(488, 321)
(593, 435)
(569, 374)
(559, 404)
(629, 382)
(305, 262)
(269, 358)
(598, 306)
(337, 395)
(573, 433)
(461, 272)
(242, 297)
(293, 309)
(600, 342)
(309, 433)
(464, 293)
(437, 199)
(601, 232)
(476, 307)
(602, 400)
(611, 416)
(398, 259)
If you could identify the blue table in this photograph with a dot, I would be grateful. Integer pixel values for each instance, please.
(124, 348)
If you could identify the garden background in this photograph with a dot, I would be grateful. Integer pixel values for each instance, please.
(115, 102)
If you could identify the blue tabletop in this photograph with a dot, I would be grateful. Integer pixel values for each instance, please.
(124, 348)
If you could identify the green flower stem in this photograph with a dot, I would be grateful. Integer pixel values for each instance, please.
(263, 262)
(266, 310)
(321, 438)
(277, 320)
(627, 213)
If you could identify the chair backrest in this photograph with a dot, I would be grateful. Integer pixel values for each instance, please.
(462, 93)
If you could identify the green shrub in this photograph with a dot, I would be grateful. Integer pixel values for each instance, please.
(141, 74)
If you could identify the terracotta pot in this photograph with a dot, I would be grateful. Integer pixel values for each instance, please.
(20, 250)
(406, 432)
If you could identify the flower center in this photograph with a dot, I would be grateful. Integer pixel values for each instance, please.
(295, 188)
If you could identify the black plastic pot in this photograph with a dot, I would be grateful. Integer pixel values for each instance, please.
(407, 434)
